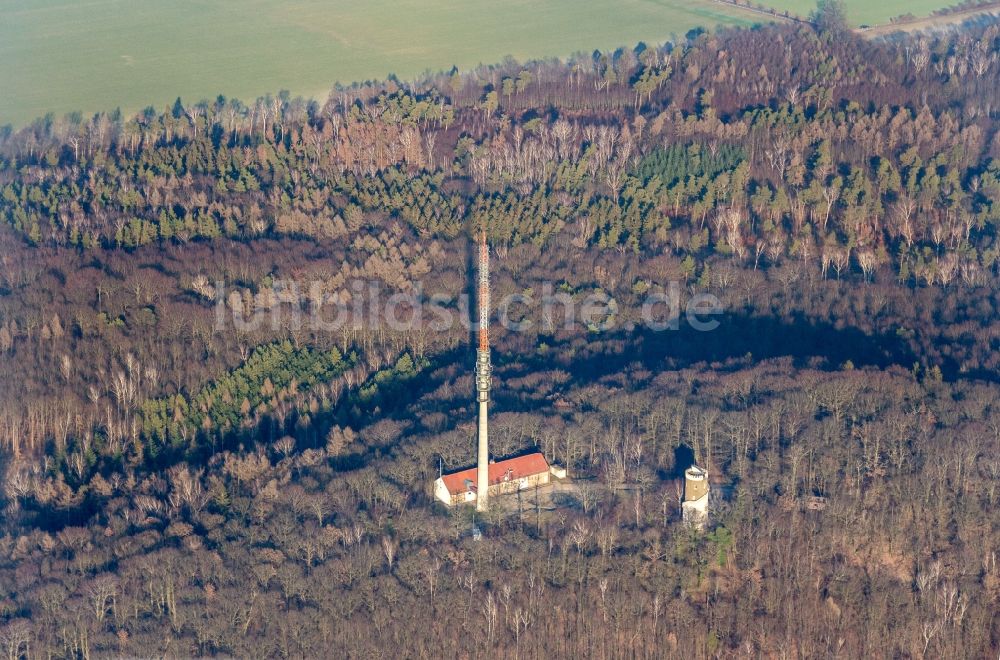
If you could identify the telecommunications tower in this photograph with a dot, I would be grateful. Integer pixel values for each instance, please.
(483, 374)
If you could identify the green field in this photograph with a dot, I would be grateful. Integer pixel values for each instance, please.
(88, 55)
(865, 12)
(61, 55)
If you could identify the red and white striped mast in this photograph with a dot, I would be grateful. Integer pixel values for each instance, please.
(483, 374)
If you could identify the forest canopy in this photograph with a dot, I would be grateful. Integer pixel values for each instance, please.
(179, 486)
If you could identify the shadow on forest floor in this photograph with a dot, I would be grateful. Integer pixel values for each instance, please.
(749, 339)
(745, 338)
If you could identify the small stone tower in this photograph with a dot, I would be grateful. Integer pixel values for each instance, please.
(694, 508)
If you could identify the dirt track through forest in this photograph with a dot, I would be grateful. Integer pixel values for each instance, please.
(931, 22)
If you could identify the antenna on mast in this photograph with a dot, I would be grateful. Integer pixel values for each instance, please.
(484, 292)
(483, 373)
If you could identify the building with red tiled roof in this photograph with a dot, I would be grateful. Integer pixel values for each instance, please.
(507, 476)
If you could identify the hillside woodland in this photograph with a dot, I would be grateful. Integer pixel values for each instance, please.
(179, 479)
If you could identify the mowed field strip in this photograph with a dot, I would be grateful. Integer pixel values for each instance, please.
(62, 56)
(870, 12)
(89, 55)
